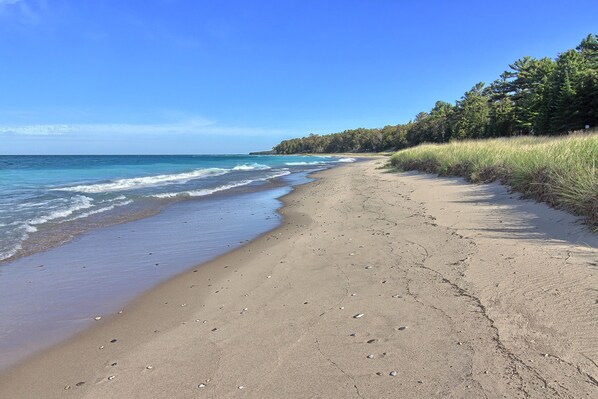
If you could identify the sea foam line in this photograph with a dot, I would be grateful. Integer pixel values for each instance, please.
(79, 202)
(305, 163)
(99, 210)
(332, 160)
(208, 191)
(141, 182)
(252, 166)
(10, 252)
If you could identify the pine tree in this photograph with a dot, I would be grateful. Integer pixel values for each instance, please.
(471, 115)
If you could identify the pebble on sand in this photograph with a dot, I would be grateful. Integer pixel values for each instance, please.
(368, 267)
(149, 367)
(241, 387)
(111, 378)
(402, 328)
(358, 316)
(201, 385)
(98, 318)
(392, 373)
(370, 356)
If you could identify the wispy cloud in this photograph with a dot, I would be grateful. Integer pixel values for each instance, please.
(22, 12)
(195, 127)
(35, 130)
(9, 2)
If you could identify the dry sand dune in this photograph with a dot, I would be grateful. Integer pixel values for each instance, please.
(464, 292)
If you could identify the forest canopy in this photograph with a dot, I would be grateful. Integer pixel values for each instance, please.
(532, 97)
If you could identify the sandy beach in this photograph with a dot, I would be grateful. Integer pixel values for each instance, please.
(376, 285)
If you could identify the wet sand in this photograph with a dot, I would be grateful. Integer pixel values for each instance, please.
(463, 291)
(48, 296)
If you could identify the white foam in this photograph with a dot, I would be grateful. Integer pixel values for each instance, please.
(252, 166)
(29, 229)
(208, 191)
(140, 182)
(100, 210)
(304, 163)
(79, 202)
(282, 172)
(33, 205)
(10, 252)
(346, 160)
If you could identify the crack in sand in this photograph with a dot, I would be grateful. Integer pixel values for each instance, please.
(590, 359)
(338, 368)
(515, 360)
(478, 383)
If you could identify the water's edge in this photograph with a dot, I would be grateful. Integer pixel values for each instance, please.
(48, 201)
(49, 296)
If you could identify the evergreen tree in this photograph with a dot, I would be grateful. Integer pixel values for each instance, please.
(501, 109)
(535, 96)
(562, 90)
(472, 114)
(526, 84)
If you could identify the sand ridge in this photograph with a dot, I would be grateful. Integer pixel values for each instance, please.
(464, 292)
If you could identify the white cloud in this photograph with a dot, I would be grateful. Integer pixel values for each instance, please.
(21, 13)
(193, 127)
(9, 2)
(35, 130)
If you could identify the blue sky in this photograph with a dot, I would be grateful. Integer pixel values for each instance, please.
(182, 76)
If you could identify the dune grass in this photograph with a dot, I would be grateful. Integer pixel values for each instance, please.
(560, 171)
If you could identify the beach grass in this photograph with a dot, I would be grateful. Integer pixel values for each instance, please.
(560, 171)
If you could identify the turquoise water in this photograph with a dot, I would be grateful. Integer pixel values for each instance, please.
(80, 236)
(46, 200)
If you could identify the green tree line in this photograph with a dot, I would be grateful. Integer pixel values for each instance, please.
(534, 96)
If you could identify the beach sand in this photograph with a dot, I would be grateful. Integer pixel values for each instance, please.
(464, 291)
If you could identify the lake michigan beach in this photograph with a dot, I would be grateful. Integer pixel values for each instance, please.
(376, 285)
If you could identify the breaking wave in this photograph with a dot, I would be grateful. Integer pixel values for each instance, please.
(208, 191)
(141, 182)
(253, 166)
